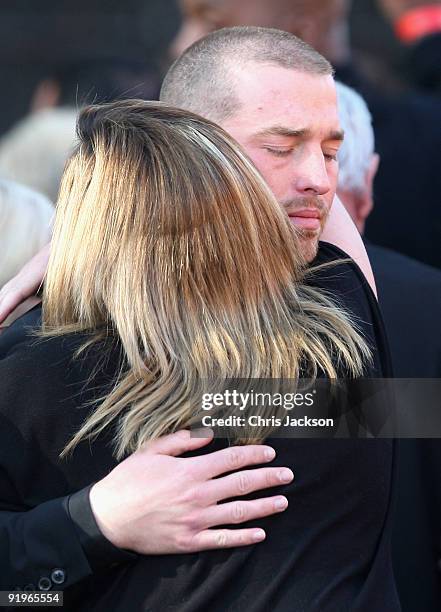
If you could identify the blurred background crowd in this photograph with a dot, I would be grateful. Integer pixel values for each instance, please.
(58, 56)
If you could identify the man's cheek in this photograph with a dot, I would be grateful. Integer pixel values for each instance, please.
(269, 170)
(333, 177)
(275, 180)
(260, 160)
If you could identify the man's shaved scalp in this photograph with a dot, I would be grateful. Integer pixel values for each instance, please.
(202, 80)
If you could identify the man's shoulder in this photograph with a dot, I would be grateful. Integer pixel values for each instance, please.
(410, 298)
(347, 285)
(343, 276)
(388, 255)
(329, 252)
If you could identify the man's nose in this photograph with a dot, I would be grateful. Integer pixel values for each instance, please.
(311, 175)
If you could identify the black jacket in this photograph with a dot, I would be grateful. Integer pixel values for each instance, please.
(334, 539)
(409, 294)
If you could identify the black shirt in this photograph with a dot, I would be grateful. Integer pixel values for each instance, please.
(329, 551)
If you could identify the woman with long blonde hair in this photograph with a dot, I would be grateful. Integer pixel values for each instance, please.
(172, 263)
(167, 238)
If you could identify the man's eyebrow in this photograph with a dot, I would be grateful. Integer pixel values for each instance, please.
(336, 135)
(280, 130)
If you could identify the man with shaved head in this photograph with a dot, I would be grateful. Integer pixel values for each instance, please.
(408, 178)
(276, 96)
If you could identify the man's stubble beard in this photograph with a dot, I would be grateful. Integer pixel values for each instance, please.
(309, 243)
(309, 240)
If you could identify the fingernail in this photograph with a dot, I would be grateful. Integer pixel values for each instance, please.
(270, 453)
(286, 475)
(259, 535)
(281, 503)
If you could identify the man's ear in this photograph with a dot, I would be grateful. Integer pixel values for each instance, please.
(367, 203)
(372, 171)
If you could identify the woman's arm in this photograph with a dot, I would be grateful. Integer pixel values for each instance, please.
(341, 231)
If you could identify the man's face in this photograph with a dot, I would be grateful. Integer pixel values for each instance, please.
(288, 124)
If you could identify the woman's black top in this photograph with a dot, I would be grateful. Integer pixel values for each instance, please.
(329, 551)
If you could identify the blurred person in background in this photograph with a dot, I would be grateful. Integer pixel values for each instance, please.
(78, 83)
(41, 42)
(25, 226)
(406, 287)
(407, 128)
(409, 294)
(322, 22)
(35, 150)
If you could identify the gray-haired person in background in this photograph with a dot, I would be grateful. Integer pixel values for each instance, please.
(25, 226)
(409, 293)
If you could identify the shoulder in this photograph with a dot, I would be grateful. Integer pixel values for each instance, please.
(407, 288)
(347, 285)
(38, 357)
(344, 277)
(46, 392)
(42, 374)
(20, 330)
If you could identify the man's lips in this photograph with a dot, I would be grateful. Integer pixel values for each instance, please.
(306, 219)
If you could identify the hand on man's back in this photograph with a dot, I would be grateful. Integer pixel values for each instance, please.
(155, 502)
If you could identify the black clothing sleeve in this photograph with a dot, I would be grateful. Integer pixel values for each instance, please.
(36, 543)
(57, 535)
(100, 553)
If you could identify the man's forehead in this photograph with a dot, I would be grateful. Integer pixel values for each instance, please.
(269, 78)
(276, 98)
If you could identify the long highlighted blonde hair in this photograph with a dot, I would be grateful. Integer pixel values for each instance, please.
(167, 238)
